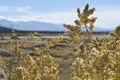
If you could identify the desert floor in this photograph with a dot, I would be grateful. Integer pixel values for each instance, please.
(62, 52)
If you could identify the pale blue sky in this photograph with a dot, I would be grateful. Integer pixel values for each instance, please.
(59, 11)
(57, 5)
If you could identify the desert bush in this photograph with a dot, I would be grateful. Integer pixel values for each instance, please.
(94, 59)
(14, 34)
(25, 67)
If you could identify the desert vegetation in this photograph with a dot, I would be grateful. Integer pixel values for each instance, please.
(90, 58)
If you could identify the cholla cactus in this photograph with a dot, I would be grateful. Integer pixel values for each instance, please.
(94, 60)
(42, 68)
(20, 74)
(84, 22)
(116, 33)
(82, 30)
(14, 35)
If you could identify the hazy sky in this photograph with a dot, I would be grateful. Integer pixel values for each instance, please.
(60, 11)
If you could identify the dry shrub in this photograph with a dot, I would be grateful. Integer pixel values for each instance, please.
(93, 61)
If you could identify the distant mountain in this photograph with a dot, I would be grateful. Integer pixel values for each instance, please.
(32, 26)
(102, 29)
(41, 26)
(3, 29)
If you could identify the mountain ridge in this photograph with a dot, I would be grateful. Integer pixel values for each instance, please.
(40, 26)
(32, 25)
